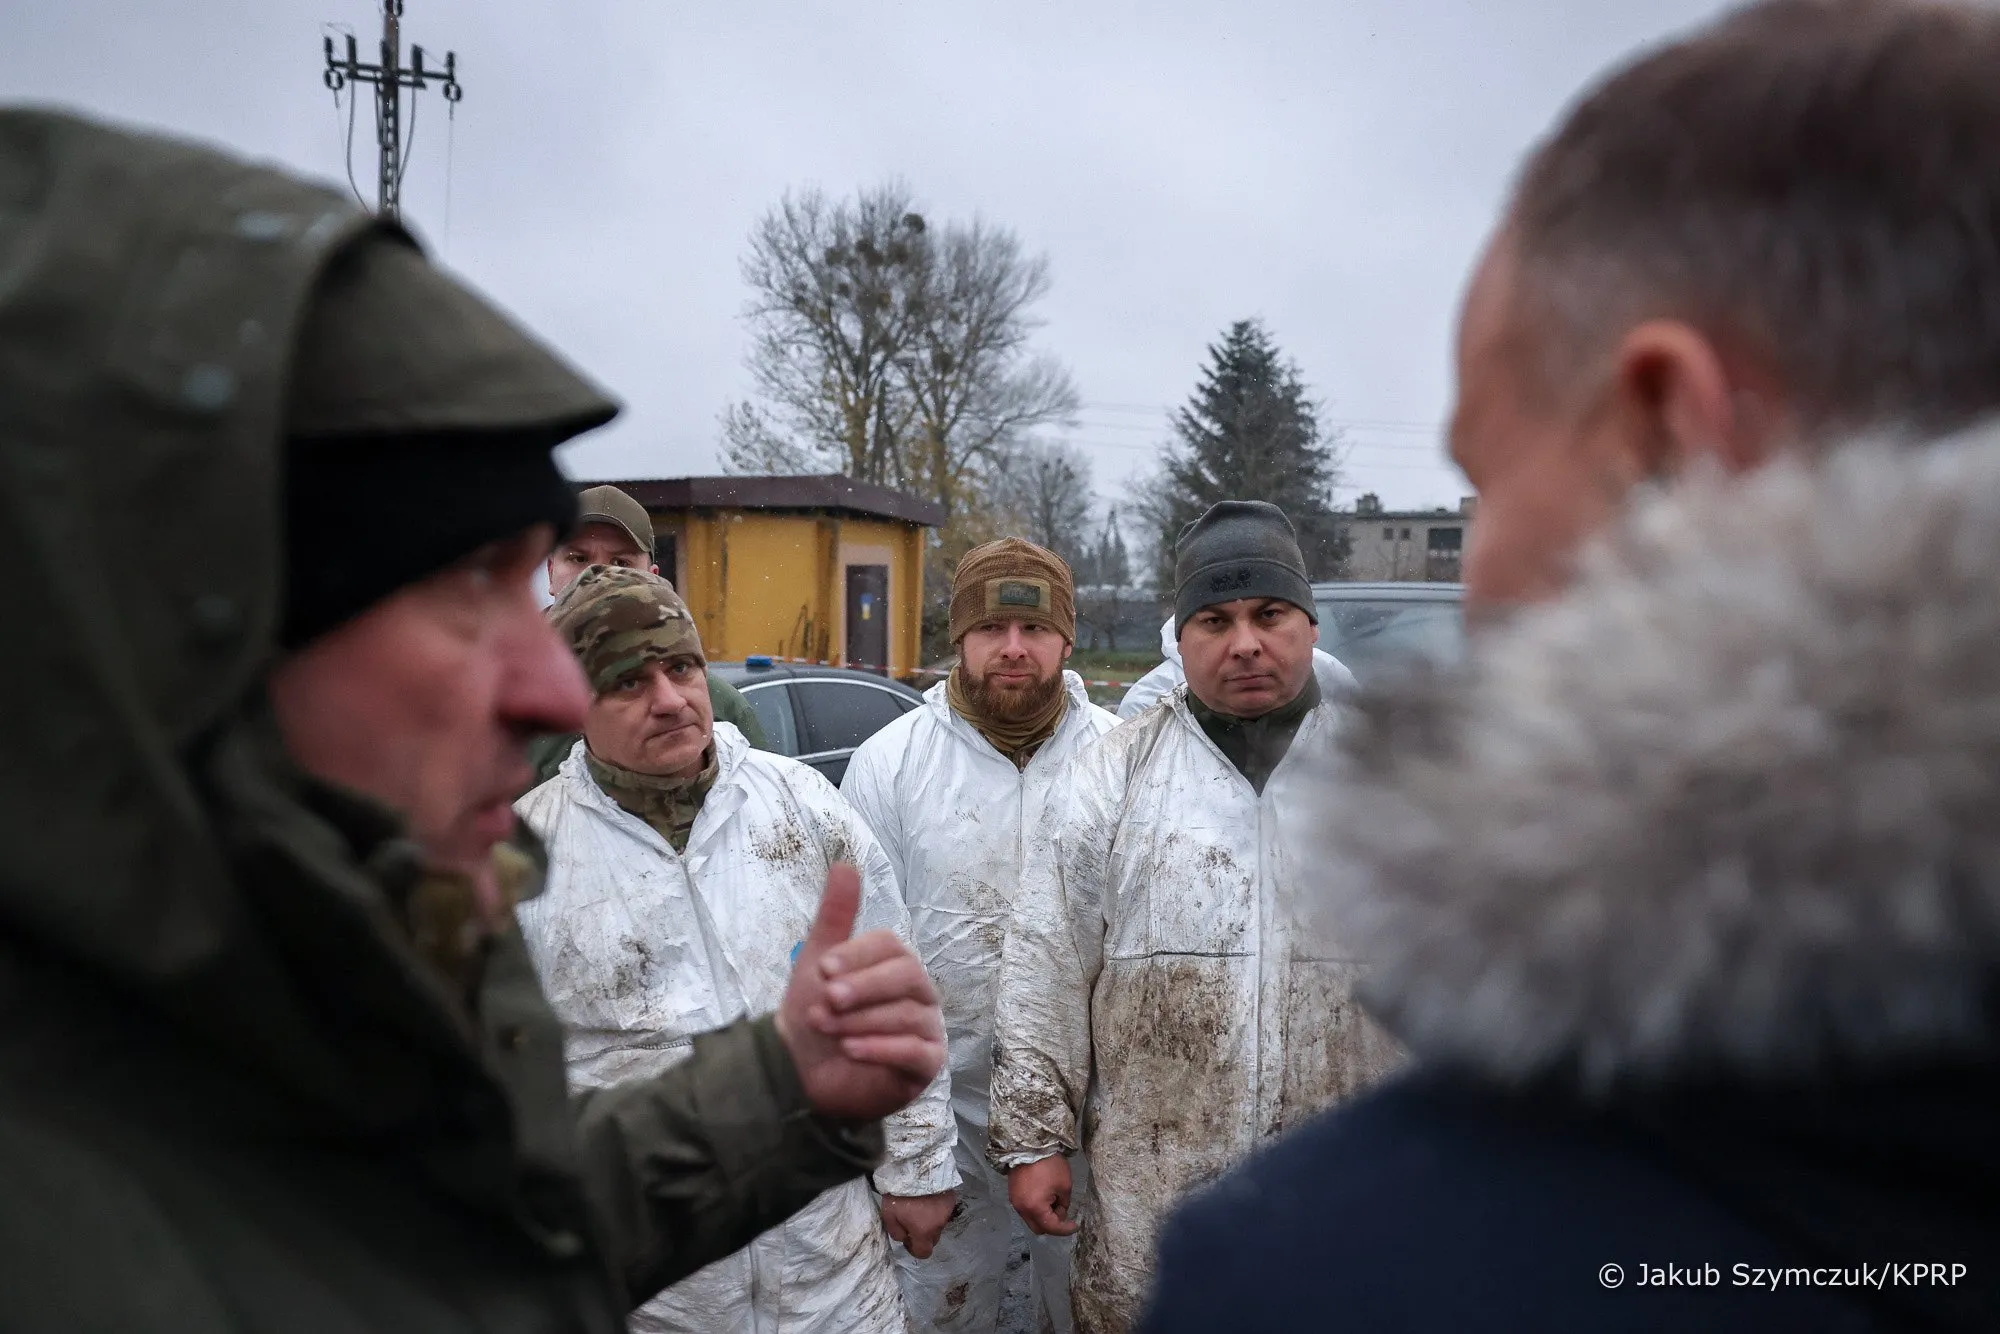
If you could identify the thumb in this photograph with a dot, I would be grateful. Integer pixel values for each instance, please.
(837, 907)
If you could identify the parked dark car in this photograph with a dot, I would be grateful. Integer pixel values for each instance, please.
(1372, 627)
(817, 714)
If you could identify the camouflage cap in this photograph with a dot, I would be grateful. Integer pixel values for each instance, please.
(617, 620)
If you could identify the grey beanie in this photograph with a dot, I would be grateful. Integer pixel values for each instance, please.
(1239, 549)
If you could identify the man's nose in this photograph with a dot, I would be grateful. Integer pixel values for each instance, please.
(543, 688)
(1244, 641)
(668, 698)
(1017, 644)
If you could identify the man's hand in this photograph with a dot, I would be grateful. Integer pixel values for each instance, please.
(1039, 1192)
(918, 1220)
(859, 1017)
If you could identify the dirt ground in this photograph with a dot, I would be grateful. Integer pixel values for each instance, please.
(1017, 1311)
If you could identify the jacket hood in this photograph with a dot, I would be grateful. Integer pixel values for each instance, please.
(1170, 643)
(162, 851)
(1726, 808)
(150, 292)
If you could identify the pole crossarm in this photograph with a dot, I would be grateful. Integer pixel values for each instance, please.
(342, 71)
(389, 76)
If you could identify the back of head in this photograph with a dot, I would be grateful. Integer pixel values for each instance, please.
(154, 292)
(1814, 183)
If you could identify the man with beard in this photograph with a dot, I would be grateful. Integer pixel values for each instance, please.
(956, 791)
(1156, 1010)
(1685, 893)
(682, 866)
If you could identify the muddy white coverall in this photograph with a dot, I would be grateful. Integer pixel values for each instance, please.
(1158, 1007)
(1157, 684)
(640, 947)
(956, 819)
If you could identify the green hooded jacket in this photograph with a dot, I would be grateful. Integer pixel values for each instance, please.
(232, 1096)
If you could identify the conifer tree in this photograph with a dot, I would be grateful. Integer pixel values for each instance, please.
(1249, 432)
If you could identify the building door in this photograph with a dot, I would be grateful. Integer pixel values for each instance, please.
(868, 617)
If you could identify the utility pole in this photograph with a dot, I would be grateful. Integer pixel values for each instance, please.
(390, 77)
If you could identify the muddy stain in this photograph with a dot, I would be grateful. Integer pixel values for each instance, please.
(839, 847)
(1023, 1103)
(1215, 862)
(785, 844)
(632, 974)
(954, 1297)
(1185, 1012)
(1333, 1048)
(1102, 1296)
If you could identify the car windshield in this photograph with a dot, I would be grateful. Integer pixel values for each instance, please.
(1372, 636)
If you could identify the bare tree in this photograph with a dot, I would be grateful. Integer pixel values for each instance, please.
(1046, 491)
(976, 391)
(889, 349)
(837, 291)
(895, 351)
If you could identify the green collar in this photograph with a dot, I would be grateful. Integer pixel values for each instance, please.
(1256, 745)
(669, 805)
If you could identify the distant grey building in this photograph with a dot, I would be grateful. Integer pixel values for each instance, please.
(1425, 545)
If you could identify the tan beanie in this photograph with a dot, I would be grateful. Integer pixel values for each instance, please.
(1013, 580)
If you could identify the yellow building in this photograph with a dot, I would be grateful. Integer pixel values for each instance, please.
(825, 569)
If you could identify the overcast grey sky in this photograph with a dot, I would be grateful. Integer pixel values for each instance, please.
(1331, 166)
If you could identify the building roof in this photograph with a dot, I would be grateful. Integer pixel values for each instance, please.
(824, 495)
(1404, 516)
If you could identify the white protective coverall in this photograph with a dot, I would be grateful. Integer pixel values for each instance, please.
(1157, 684)
(640, 948)
(1154, 961)
(956, 818)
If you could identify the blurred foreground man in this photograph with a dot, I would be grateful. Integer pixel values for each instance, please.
(1156, 1009)
(684, 873)
(614, 529)
(957, 791)
(1687, 891)
(273, 1058)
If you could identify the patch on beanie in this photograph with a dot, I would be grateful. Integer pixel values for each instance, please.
(1017, 595)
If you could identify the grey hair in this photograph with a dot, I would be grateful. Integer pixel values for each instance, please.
(1814, 183)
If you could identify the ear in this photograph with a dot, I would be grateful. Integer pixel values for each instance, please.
(1679, 403)
(652, 569)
